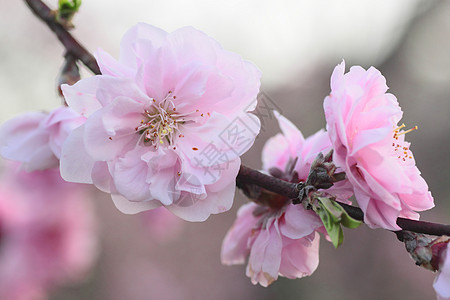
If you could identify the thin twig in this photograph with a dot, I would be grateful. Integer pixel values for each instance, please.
(43, 12)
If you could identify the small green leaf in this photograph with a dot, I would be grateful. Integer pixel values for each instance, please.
(331, 225)
(348, 221)
(339, 212)
(67, 9)
(333, 215)
(335, 211)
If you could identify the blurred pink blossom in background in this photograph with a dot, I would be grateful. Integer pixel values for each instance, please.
(47, 233)
(161, 224)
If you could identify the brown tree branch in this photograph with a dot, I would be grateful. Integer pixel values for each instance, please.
(289, 190)
(284, 188)
(43, 12)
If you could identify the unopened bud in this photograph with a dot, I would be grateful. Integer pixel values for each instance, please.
(427, 251)
(321, 176)
(66, 11)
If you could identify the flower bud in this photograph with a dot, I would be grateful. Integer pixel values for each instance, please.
(427, 251)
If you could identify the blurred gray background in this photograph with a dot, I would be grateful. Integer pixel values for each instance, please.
(296, 44)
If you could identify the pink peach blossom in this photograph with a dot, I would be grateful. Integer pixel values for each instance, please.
(36, 138)
(281, 241)
(369, 145)
(281, 150)
(47, 234)
(166, 123)
(442, 283)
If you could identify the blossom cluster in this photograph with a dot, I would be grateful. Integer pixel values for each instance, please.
(164, 127)
(281, 239)
(369, 146)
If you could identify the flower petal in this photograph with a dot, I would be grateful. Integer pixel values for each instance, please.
(265, 256)
(299, 260)
(81, 97)
(299, 222)
(130, 176)
(130, 207)
(76, 164)
(219, 198)
(234, 246)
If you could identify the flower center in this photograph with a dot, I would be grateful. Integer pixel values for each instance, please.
(162, 123)
(401, 147)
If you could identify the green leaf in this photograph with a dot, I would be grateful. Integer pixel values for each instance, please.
(339, 212)
(335, 211)
(348, 221)
(333, 215)
(332, 226)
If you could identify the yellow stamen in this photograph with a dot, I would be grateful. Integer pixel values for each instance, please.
(400, 127)
(409, 130)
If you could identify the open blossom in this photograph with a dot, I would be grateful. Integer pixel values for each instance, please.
(442, 283)
(369, 145)
(166, 123)
(281, 239)
(36, 138)
(278, 242)
(47, 234)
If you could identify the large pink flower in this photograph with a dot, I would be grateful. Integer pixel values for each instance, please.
(369, 145)
(281, 240)
(442, 283)
(47, 233)
(36, 138)
(166, 123)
